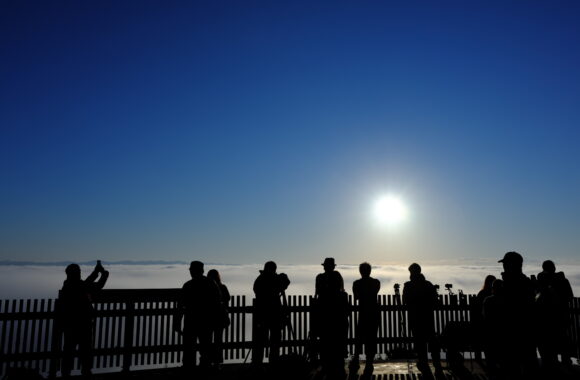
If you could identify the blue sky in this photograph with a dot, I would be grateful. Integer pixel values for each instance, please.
(238, 132)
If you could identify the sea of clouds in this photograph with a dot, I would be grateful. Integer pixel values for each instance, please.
(44, 281)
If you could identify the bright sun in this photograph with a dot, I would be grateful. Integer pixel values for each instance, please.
(390, 210)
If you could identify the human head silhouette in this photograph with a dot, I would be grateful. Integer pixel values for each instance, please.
(365, 270)
(415, 268)
(196, 269)
(269, 267)
(73, 272)
(548, 266)
(488, 283)
(329, 264)
(214, 275)
(512, 262)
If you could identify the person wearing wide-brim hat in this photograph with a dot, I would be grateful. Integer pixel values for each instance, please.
(331, 317)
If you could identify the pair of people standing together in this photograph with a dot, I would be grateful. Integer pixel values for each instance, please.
(203, 303)
(330, 311)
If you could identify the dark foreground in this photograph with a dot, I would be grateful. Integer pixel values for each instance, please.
(390, 370)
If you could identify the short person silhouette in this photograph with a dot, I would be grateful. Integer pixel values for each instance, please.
(223, 319)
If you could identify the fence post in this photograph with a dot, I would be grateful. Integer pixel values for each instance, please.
(255, 343)
(55, 347)
(128, 338)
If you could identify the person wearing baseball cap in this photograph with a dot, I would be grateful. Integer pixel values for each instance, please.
(518, 319)
(512, 260)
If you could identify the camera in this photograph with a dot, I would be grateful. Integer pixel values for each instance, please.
(397, 286)
(284, 280)
(448, 286)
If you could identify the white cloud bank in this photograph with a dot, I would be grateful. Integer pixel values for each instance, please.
(30, 281)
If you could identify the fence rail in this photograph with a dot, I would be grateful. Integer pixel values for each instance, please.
(134, 328)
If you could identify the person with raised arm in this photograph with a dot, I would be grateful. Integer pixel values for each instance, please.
(76, 315)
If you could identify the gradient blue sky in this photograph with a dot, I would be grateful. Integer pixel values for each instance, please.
(242, 131)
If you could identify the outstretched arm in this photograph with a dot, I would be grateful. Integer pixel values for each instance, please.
(92, 277)
(102, 280)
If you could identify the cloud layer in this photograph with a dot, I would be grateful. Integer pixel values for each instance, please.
(30, 281)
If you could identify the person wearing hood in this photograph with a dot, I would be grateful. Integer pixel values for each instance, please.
(268, 288)
(76, 315)
(420, 297)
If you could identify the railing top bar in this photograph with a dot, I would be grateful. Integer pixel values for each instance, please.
(136, 295)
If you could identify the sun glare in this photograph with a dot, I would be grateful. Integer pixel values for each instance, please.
(390, 210)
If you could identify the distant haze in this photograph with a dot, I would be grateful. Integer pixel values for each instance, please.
(44, 281)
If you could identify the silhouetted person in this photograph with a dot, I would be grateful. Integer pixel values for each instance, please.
(223, 320)
(76, 315)
(494, 309)
(268, 288)
(421, 298)
(552, 300)
(332, 318)
(477, 314)
(200, 303)
(518, 338)
(366, 290)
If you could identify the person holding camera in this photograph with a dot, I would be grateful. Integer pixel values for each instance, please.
(268, 288)
(421, 298)
(76, 315)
